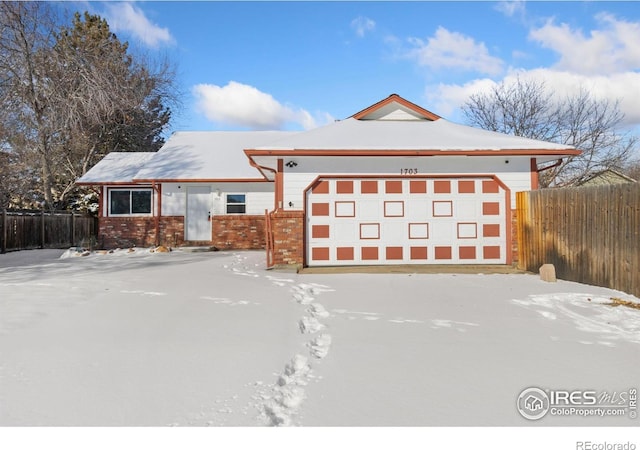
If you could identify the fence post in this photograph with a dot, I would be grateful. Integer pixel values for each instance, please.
(3, 245)
(73, 229)
(42, 228)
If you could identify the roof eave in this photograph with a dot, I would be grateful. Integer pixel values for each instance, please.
(396, 98)
(410, 152)
(200, 180)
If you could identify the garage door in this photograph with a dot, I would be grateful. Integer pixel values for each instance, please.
(431, 220)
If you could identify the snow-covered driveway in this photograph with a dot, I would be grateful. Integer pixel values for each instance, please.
(214, 339)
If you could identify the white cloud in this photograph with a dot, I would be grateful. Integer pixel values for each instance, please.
(362, 25)
(453, 50)
(238, 104)
(510, 8)
(449, 97)
(611, 49)
(129, 18)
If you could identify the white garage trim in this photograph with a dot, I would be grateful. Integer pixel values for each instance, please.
(435, 219)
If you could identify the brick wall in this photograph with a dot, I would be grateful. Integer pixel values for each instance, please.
(238, 232)
(233, 232)
(116, 232)
(172, 231)
(288, 244)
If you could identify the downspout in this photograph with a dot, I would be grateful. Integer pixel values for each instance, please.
(252, 163)
(538, 170)
(268, 227)
(556, 164)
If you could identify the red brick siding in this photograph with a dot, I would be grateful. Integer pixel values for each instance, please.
(228, 232)
(288, 243)
(238, 232)
(116, 232)
(172, 231)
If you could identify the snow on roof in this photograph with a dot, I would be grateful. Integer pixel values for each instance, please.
(354, 134)
(116, 167)
(207, 155)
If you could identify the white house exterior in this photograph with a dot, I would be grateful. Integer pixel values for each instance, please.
(392, 184)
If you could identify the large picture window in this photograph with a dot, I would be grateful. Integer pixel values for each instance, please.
(236, 204)
(129, 202)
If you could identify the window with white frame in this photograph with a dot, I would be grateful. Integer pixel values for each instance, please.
(236, 204)
(130, 202)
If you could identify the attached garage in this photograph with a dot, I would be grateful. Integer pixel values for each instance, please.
(398, 184)
(400, 220)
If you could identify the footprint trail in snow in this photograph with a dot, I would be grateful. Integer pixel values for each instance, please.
(287, 395)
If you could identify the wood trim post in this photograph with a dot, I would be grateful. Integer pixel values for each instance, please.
(535, 185)
(157, 192)
(279, 181)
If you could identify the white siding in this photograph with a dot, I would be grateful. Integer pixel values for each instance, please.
(259, 196)
(257, 202)
(515, 173)
(174, 199)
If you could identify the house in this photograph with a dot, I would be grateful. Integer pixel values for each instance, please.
(392, 184)
(533, 403)
(605, 177)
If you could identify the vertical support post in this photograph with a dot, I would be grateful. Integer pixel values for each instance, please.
(73, 229)
(3, 244)
(157, 192)
(42, 229)
(279, 186)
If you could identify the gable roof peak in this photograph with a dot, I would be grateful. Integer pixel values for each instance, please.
(385, 109)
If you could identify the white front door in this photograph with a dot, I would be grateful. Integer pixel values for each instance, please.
(198, 226)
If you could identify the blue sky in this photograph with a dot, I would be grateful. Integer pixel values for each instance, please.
(297, 65)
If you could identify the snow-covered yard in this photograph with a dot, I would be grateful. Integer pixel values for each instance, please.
(214, 339)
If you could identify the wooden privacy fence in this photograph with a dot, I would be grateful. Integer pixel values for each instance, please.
(29, 229)
(590, 234)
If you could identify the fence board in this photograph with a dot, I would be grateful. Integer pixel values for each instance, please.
(590, 234)
(28, 229)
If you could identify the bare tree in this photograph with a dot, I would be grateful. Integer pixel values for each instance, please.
(527, 108)
(633, 170)
(71, 94)
(26, 30)
(112, 101)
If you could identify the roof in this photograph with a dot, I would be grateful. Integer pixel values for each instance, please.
(206, 155)
(186, 156)
(390, 127)
(116, 167)
(412, 135)
(391, 103)
(607, 176)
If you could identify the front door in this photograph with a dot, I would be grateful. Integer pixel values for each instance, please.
(198, 226)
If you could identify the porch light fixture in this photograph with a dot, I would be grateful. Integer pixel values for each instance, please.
(291, 164)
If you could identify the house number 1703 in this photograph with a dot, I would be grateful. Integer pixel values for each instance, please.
(408, 171)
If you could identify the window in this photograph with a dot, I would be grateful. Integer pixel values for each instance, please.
(236, 204)
(127, 202)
